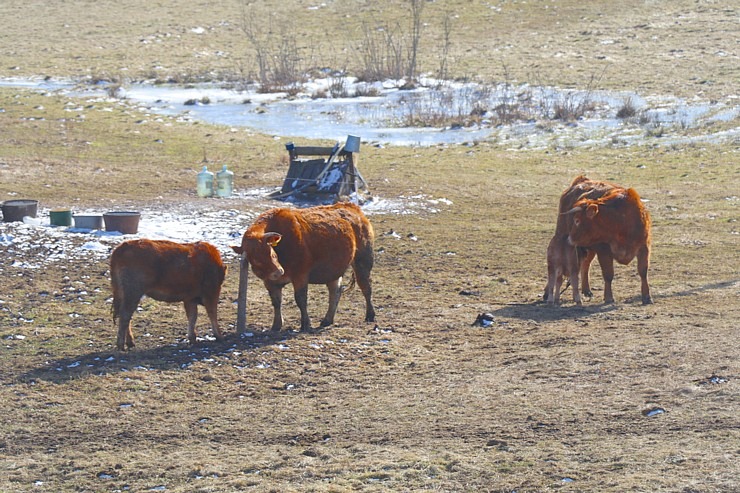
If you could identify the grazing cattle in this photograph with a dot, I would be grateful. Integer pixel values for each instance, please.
(310, 246)
(616, 226)
(560, 252)
(165, 271)
(562, 260)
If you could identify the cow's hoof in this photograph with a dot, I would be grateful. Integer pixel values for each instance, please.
(647, 301)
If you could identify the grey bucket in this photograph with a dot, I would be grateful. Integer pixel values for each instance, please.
(88, 221)
(16, 210)
(125, 222)
(352, 144)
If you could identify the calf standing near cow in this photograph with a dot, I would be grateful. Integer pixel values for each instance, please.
(165, 271)
(310, 246)
(603, 220)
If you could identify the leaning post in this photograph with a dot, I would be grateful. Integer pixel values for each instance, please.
(241, 303)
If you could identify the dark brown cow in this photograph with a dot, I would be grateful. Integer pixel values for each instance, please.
(560, 253)
(616, 226)
(310, 246)
(165, 271)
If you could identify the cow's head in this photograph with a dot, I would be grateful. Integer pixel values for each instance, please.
(583, 215)
(261, 255)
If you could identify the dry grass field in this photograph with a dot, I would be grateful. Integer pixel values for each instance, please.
(544, 399)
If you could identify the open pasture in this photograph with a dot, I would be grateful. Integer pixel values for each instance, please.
(607, 398)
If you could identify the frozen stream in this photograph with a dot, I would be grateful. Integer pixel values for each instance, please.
(382, 113)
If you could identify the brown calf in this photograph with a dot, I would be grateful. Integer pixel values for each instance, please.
(165, 271)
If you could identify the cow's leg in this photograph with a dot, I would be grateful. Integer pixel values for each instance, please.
(127, 309)
(557, 284)
(191, 310)
(301, 299)
(606, 260)
(643, 262)
(335, 292)
(572, 261)
(574, 285)
(125, 337)
(212, 311)
(276, 297)
(362, 267)
(552, 285)
(586, 256)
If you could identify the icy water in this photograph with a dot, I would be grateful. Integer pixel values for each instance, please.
(384, 117)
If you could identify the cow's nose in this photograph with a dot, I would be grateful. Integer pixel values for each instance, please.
(277, 274)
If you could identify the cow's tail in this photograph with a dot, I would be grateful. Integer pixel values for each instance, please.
(117, 293)
(567, 285)
(351, 283)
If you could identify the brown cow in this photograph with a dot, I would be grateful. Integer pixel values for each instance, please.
(562, 260)
(560, 253)
(616, 226)
(165, 271)
(310, 246)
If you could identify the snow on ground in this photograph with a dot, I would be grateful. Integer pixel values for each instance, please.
(34, 243)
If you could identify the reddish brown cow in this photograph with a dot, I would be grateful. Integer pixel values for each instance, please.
(616, 226)
(310, 246)
(560, 253)
(165, 271)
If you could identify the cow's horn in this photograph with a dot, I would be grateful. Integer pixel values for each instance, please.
(273, 239)
(572, 211)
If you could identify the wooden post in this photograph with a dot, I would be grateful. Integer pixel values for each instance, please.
(241, 302)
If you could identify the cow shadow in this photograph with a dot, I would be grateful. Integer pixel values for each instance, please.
(173, 356)
(700, 289)
(540, 311)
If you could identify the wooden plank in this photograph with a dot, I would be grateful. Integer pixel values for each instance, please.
(312, 151)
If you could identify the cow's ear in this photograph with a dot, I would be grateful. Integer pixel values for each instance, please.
(592, 210)
(237, 249)
(273, 239)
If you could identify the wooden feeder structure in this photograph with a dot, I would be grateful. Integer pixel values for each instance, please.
(324, 174)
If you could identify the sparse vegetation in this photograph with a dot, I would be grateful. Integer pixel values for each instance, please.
(543, 399)
(627, 110)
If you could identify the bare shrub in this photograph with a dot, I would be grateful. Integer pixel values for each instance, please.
(387, 52)
(628, 109)
(320, 94)
(443, 107)
(380, 51)
(656, 130)
(442, 71)
(366, 90)
(338, 87)
(573, 105)
(279, 62)
(417, 7)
